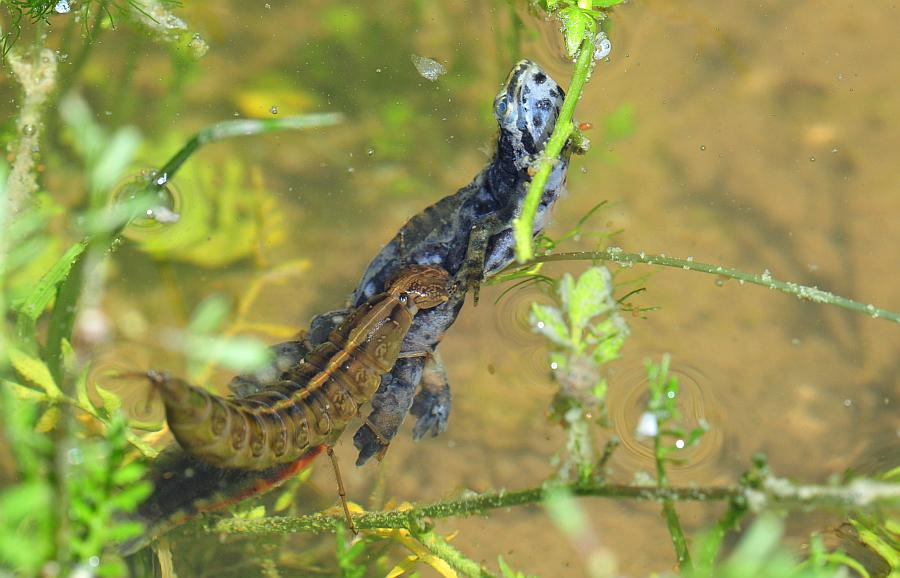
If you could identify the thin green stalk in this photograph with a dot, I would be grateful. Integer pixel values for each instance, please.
(243, 127)
(443, 550)
(679, 542)
(764, 279)
(4, 242)
(523, 226)
(710, 547)
(858, 494)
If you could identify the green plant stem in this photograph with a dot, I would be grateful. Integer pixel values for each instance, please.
(523, 226)
(803, 292)
(238, 128)
(709, 549)
(858, 494)
(679, 542)
(443, 550)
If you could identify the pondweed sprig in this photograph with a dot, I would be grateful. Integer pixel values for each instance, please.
(74, 479)
(587, 332)
(100, 486)
(759, 554)
(660, 422)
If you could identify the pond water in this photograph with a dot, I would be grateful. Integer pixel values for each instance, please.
(758, 135)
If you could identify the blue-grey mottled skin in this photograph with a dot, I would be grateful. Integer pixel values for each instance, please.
(526, 110)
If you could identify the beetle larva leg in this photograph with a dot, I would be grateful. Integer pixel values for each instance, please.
(410, 354)
(381, 439)
(341, 492)
(431, 405)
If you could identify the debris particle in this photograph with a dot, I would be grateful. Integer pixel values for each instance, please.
(428, 68)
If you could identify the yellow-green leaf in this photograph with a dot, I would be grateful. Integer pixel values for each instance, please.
(49, 420)
(284, 501)
(69, 357)
(81, 394)
(111, 401)
(45, 289)
(35, 371)
(145, 448)
(23, 392)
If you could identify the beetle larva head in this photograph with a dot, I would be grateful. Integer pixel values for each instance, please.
(426, 286)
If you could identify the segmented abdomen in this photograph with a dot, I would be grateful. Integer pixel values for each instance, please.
(315, 400)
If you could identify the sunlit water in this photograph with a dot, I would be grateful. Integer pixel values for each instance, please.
(761, 140)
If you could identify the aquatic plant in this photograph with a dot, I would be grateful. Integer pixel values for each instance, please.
(74, 467)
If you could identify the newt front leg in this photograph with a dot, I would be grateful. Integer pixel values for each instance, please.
(433, 402)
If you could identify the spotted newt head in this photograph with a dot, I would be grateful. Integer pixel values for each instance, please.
(424, 286)
(526, 110)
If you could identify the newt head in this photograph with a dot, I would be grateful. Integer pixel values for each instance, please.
(526, 110)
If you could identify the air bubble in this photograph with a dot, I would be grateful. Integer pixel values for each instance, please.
(73, 456)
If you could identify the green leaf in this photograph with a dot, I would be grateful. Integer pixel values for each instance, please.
(600, 389)
(565, 512)
(81, 393)
(35, 371)
(112, 568)
(44, 291)
(117, 157)
(124, 530)
(589, 297)
(548, 321)
(24, 501)
(128, 474)
(146, 449)
(111, 402)
(49, 420)
(237, 353)
(283, 502)
(210, 314)
(505, 569)
(129, 498)
(886, 546)
(23, 392)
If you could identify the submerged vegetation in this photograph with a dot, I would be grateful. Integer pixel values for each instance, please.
(77, 204)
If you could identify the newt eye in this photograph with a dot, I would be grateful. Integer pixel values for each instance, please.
(501, 106)
(403, 298)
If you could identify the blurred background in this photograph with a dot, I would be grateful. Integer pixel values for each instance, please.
(753, 135)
